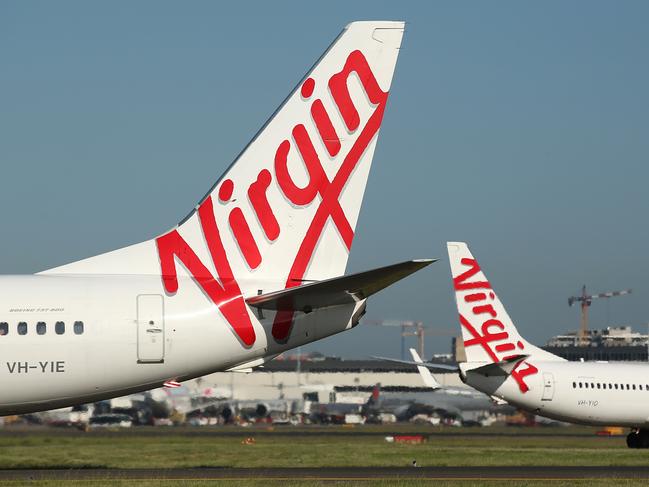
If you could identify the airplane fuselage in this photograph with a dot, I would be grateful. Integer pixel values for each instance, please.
(596, 393)
(74, 339)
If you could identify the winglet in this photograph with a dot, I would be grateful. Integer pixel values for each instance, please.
(425, 374)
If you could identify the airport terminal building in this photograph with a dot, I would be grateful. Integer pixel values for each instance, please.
(329, 377)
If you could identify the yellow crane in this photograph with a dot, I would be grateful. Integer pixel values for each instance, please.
(585, 300)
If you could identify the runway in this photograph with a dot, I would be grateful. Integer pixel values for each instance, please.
(334, 473)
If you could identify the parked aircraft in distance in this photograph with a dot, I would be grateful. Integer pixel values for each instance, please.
(444, 400)
(501, 363)
(252, 271)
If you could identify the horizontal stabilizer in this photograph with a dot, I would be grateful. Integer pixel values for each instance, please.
(337, 291)
(504, 367)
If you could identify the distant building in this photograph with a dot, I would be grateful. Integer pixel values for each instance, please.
(458, 354)
(612, 336)
(613, 343)
(291, 379)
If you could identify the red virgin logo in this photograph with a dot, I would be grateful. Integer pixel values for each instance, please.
(223, 290)
(493, 336)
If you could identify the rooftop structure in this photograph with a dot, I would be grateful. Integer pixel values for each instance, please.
(613, 343)
(612, 336)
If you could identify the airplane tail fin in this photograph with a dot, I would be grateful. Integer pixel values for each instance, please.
(488, 332)
(376, 392)
(285, 211)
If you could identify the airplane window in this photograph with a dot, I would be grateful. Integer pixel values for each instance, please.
(633, 387)
(627, 387)
(574, 385)
(598, 385)
(580, 385)
(41, 328)
(640, 386)
(586, 385)
(610, 386)
(78, 327)
(4, 328)
(22, 328)
(59, 328)
(592, 386)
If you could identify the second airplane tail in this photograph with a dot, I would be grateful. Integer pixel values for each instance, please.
(489, 334)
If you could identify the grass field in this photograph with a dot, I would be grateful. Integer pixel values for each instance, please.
(313, 447)
(316, 448)
(385, 483)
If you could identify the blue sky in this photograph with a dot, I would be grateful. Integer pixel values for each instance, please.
(519, 127)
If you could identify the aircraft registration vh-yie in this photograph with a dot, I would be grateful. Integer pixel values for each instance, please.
(501, 363)
(252, 271)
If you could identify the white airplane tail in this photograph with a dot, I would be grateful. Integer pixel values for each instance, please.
(285, 211)
(489, 334)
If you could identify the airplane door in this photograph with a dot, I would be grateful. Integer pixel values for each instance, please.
(150, 328)
(548, 386)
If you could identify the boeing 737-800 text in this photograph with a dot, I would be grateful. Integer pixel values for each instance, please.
(252, 271)
(501, 363)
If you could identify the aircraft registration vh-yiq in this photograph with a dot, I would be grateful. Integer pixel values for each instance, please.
(501, 363)
(252, 271)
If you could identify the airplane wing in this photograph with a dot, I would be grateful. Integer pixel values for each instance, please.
(428, 365)
(423, 368)
(336, 291)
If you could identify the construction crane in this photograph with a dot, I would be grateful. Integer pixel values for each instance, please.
(413, 328)
(585, 301)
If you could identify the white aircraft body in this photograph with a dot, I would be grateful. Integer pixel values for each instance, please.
(501, 363)
(252, 271)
